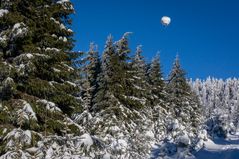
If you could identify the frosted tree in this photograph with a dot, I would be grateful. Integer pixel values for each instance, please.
(136, 80)
(155, 79)
(37, 89)
(89, 71)
(186, 107)
(93, 69)
(88, 67)
(219, 99)
(158, 95)
(105, 80)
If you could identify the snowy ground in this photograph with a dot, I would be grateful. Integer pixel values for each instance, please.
(220, 148)
(213, 149)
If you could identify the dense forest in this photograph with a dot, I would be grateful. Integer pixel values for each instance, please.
(58, 103)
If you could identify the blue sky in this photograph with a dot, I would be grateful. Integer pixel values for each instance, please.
(205, 33)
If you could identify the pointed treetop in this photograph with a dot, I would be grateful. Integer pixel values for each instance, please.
(93, 47)
(126, 35)
(157, 57)
(109, 41)
(139, 48)
(138, 52)
(176, 70)
(176, 62)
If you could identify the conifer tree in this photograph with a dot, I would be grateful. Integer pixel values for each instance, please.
(139, 72)
(158, 97)
(92, 70)
(155, 79)
(137, 92)
(37, 79)
(125, 75)
(117, 109)
(186, 106)
(88, 69)
(121, 67)
(105, 81)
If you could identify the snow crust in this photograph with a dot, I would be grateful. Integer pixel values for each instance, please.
(19, 30)
(71, 83)
(220, 148)
(184, 139)
(20, 135)
(3, 11)
(52, 49)
(50, 105)
(86, 141)
(62, 1)
(29, 111)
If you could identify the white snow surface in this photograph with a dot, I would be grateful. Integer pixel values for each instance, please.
(62, 1)
(50, 105)
(106, 156)
(54, 20)
(119, 145)
(86, 141)
(210, 145)
(71, 83)
(52, 49)
(29, 111)
(56, 70)
(62, 26)
(3, 39)
(183, 139)
(26, 112)
(69, 30)
(20, 135)
(19, 30)
(3, 11)
(219, 148)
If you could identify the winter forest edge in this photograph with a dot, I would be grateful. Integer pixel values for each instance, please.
(56, 103)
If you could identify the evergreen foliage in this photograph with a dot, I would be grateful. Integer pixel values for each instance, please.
(35, 66)
(61, 104)
(186, 106)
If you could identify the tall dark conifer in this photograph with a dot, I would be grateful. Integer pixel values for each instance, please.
(185, 104)
(35, 41)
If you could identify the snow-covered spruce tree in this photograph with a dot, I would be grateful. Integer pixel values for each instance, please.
(183, 122)
(92, 70)
(137, 78)
(102, 97)
(115, 74)
(184, 103)
(139, 94)
(116, 117)
(155, 78)
(89, 73)
(158, 96)
(37, 93)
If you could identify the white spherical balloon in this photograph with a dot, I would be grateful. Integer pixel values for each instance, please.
(165, 20)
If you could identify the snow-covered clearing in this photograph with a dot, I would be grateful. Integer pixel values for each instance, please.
(220, 148)
(217, 148)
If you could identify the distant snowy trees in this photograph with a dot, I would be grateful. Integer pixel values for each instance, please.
(220, 101)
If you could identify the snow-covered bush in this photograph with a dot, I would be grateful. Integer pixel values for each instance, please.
(218, 126)
(183, 140)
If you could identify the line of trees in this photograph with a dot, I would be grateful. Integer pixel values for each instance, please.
(121, 90)
(220, 101)
(48, 92)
